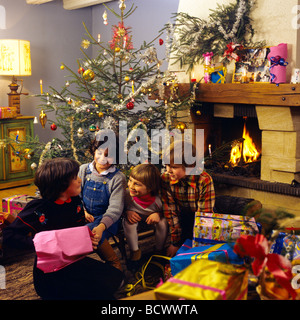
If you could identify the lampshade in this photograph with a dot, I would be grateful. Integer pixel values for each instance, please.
(15, 57)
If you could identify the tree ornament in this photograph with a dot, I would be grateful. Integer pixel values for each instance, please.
(161, 42)
(62, 67)
(126, 78)
(53, 126)
(181, 126)
(80, 70)
(130, 105)
(33, 166)
(43, 118)
(93, 98)
(80, 133)
(104, 16)
(92, 128)
(88, 75)
(100, 114)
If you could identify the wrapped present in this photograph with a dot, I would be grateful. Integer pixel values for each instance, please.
(277, 57)
(8, 112)
(287, 245)
(206, 280)
(11, 206)
(221, 227)
(219, 252)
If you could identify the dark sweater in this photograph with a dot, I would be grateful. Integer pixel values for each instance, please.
(42, 215)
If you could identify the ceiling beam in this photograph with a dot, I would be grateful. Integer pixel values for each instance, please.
(37, 1)
(76, 4)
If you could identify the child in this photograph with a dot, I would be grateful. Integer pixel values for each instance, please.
(103, 193)
(183, 195)
(143, 204)
(61, 207)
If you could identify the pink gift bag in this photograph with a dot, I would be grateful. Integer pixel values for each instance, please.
(278, 56)
(57, 249)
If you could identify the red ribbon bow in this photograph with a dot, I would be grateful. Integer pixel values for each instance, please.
(257, 247)
(230, 54)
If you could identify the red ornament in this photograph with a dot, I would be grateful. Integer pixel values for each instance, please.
(53, 126)
(80, 70)
(161, 42)
(130, 105)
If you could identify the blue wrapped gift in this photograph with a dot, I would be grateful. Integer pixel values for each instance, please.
(222, 252)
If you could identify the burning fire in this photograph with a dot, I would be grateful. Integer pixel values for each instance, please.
(246, 149)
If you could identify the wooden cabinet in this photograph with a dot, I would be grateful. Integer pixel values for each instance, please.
(14, 171)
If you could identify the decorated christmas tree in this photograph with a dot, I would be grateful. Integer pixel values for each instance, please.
(105, 90)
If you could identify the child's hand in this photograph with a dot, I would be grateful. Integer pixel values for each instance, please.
(153, 218)
(88, 217)
(99, 230)
(95, 240)
(133, 217)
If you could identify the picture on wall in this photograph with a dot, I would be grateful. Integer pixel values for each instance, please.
(253, 66)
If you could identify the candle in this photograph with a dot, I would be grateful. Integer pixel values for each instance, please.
(41, 86)
(193, 78)
(132, 83)
(17, 136)
(209, 150)
(99, 36)
(244, 76)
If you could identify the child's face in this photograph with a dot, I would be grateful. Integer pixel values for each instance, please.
(101, 159)
(176, 171)
(74, 188)
(137, 188)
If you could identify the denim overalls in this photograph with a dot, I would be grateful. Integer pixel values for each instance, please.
(95, 197)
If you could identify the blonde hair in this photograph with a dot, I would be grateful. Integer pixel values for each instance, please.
(149, 175)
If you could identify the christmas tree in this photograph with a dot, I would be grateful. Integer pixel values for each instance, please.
(105, 90)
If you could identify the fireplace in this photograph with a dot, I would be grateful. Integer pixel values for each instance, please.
(272, 116)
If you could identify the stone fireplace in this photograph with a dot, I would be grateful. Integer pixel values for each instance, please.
(276, 109)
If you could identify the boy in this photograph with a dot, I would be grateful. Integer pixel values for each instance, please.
(183, 195)
(61, 207)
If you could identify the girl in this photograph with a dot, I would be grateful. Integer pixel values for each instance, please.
(60, 207)
(143, 205)
(103, 193)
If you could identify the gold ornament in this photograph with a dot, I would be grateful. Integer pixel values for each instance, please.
(62, 67)
(43, 118)
(198, 112)
(126, 78)
(100, 114)
(117, 49)
(80, 133)
(181, 126)
(88, 75)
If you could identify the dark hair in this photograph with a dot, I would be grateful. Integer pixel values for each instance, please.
(53, 176)
(149, 175)
(111, 140)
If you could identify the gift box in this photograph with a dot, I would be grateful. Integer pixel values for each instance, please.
(277, 57)
(206, 280)
(8, 112)
(287, 245)
(219, 252)
(11, 206)
(221, 227)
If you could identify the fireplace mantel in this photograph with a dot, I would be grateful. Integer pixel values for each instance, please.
(249, 93)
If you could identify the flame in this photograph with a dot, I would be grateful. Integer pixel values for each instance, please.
(247, 147)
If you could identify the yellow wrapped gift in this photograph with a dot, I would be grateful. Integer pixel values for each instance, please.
(206, 280)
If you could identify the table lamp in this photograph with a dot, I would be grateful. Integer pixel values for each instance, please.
(15, 61)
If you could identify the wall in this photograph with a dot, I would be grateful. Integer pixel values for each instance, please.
(55, 35)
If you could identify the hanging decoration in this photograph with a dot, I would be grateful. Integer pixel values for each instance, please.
(43, 118)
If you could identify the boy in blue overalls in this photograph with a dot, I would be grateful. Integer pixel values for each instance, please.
(103, 194)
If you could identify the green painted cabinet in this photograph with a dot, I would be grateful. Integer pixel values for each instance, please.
(14, 170)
